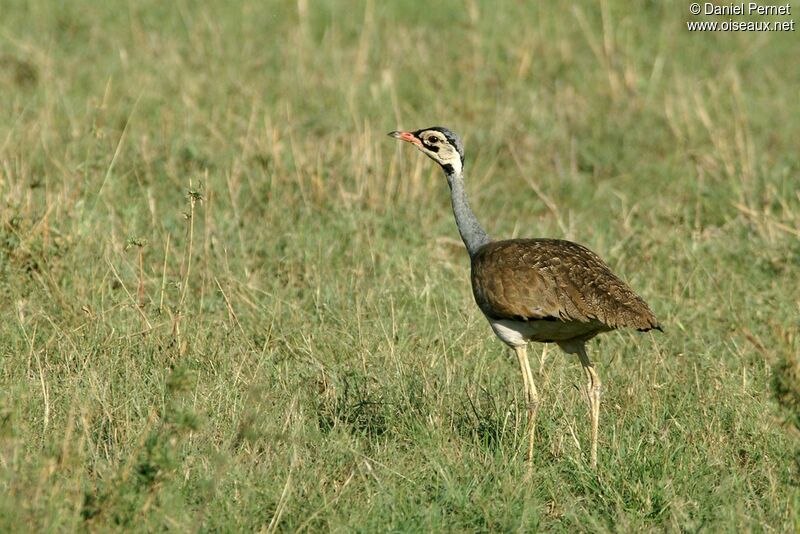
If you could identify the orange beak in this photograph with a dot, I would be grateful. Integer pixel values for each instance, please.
(406, 136)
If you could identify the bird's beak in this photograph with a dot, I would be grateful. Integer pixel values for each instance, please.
(406, 136)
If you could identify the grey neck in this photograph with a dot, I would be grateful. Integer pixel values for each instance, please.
(472, 233)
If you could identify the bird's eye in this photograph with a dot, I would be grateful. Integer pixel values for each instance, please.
(433, 140)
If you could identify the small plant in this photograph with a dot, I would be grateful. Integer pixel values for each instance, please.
(139, 243)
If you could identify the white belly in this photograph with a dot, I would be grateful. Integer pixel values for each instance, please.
(518, 333)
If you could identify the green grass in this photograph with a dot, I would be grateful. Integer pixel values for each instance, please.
(229, 302)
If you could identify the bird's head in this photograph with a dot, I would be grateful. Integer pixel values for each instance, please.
(440, 144)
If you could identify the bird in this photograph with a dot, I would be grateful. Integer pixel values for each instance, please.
(537, 289)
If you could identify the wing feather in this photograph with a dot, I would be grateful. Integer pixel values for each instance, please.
(534, 279)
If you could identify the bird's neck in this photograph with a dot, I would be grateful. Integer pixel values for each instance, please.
(472, 233)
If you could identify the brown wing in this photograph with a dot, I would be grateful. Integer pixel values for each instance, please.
(529, 279)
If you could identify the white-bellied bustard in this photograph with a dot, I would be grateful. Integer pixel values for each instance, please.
(546, 290)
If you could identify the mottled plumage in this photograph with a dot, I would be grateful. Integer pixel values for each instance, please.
(545, 290)
(557, 281)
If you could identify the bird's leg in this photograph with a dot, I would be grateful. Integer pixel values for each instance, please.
(531, 396)
(593, 392)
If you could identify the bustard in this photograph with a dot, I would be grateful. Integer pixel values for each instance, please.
(546, 290)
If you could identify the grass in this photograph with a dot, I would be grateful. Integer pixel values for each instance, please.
(229, 302)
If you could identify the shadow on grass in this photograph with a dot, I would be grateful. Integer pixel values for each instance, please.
(358, 405)
(492, 424)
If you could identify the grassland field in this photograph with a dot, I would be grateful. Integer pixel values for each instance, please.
(230, 303)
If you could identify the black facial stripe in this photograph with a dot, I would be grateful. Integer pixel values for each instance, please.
(448, 169)
(432, 148)
(449, 137)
